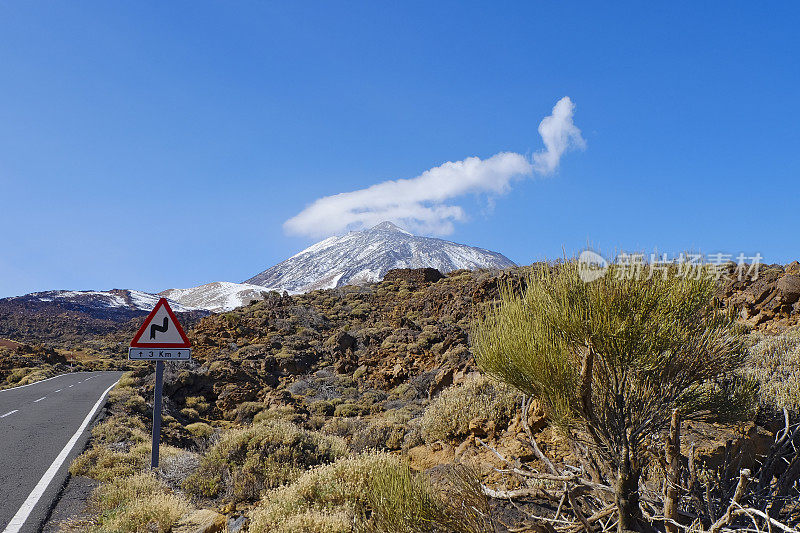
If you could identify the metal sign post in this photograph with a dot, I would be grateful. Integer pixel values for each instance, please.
(157, 413)
(161, 338)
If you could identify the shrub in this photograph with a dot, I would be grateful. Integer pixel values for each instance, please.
(247, 460)
(120, 429)
(197, 403)
(614, 358)
(245, 411)
(189, 413)
(350, 409)
(449, 415)
(326, 498)
(106, 463)
(200, 430)
(378, 434)
(137, 503)
(775, 363)
(370, 492)
(284, 412)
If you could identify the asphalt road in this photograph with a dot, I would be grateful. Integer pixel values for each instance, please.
(40, 435)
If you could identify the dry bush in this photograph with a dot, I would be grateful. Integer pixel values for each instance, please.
(326, 498)
(174, 469)
(775, 362)
(449, 415)
(374, 491)
(378, 434)
(105, 463)
(137, 503)
(120, 430)
(283, 412)
(247, 460)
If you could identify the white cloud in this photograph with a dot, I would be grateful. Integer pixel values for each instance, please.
(420, 204)
(559, 134)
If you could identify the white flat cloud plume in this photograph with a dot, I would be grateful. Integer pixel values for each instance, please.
(421, 204)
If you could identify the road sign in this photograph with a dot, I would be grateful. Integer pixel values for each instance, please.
(160, 329)
(159, 354)
(161, 338)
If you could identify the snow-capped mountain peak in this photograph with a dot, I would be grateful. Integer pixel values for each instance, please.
(365, 256)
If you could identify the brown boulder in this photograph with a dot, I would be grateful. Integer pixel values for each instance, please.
(414, 275)
(202, 521)
(789, 287)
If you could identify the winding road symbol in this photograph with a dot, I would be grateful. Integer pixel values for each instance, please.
(155, 327)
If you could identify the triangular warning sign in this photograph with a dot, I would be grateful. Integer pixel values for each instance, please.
(160, 329)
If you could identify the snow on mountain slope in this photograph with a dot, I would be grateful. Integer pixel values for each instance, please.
(365, 256)
(217, 296)
(114, 299)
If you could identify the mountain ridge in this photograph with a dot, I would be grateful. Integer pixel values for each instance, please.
(360, 257)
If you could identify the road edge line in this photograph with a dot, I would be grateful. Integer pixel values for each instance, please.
(25, 509)
(43, 380)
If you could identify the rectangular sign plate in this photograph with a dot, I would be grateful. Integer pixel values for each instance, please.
(160, 354)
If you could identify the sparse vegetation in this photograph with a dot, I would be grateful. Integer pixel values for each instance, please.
(775, 362)
(285, 420)
(137, 503)
(247, 460)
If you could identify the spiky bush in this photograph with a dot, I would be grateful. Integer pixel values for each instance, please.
(614, 357)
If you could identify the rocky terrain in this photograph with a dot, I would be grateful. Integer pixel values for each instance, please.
(71, 319)
(359, 376)
(771, 302)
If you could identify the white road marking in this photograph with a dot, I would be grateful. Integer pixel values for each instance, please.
(33, 498)
(40, 399)
(34, 383)
(59, 390)
(71, 386)
(9, 413)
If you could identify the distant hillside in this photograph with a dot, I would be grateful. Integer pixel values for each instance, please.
(63, 318)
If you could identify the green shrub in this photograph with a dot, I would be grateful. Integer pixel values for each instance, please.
(190, 413)
(349, 409)
(449, 415)
(246, 411)
(200, 430)
(247, 460)
(197, 403)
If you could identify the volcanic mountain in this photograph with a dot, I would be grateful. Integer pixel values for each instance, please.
(365, 256)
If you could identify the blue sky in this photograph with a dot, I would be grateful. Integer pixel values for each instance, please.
(152, 145)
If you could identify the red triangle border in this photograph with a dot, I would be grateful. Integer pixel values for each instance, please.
(162, 302)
